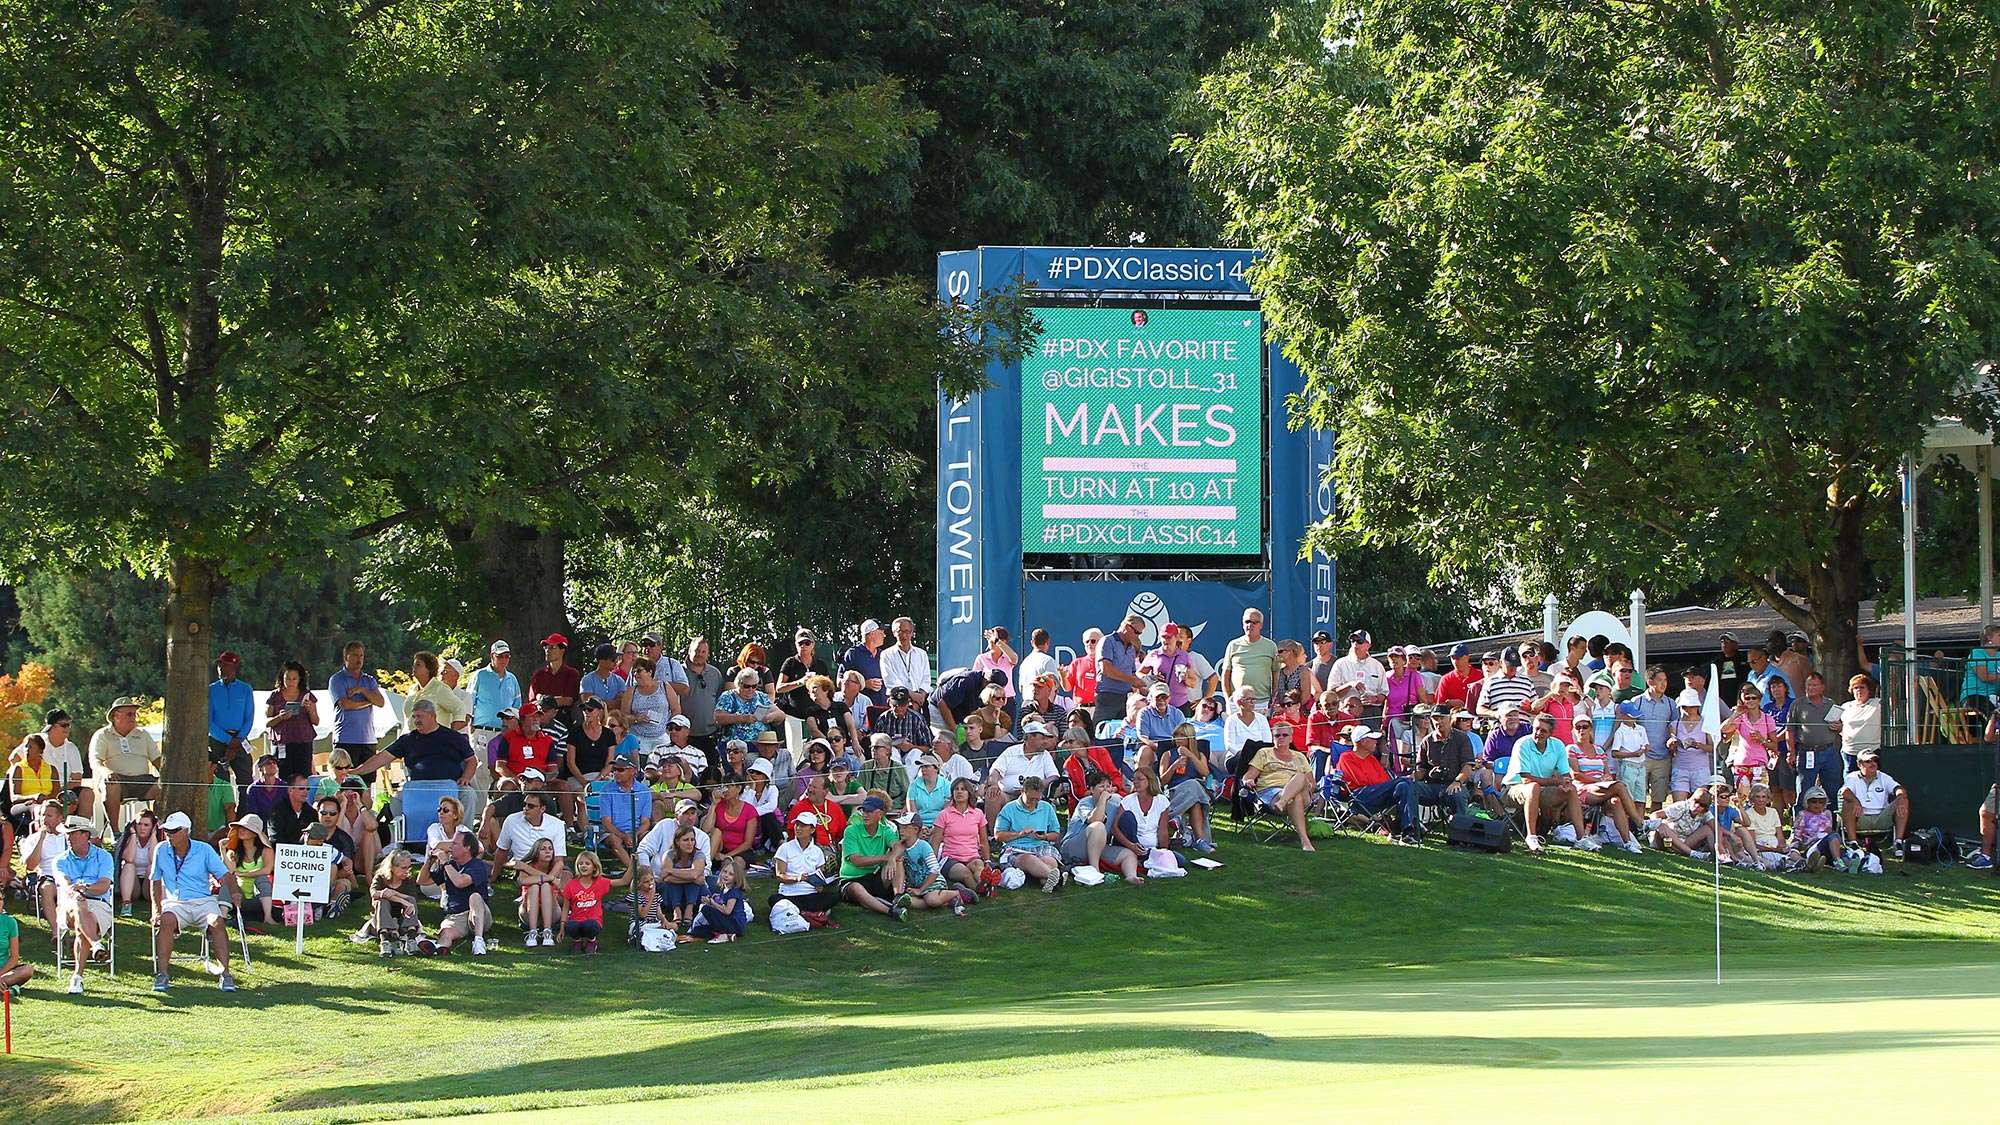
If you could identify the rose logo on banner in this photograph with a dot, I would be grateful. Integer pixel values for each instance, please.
(1152, 609)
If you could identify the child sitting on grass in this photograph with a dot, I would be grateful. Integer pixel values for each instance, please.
(1812, 830)
(584, 895)
(724, 911)
(923, 873)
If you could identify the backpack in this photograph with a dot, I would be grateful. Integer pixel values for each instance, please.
(1921, 847)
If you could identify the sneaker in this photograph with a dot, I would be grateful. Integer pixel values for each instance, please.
(339, 904)
(902, 903)
(958, 907)
(408, 948)
(360, 937)
(589, 946)
(1896, 850)
(100, 953)
(1053, 879)
(1205, 847)
(388, 948)
(1533, 844)
(719, 939)
(76, 984)
(576, 945)
(1588, 844)
(548, 937)
(478, 946)
(227, 983)
(1815, 861)
(1699, 854)
(1187, 837)
(1632, 846)
(1980, 862)
(988, 890)
(427, 948)
(125, 911)
(899, 912)
(160, 982)
(530, 938)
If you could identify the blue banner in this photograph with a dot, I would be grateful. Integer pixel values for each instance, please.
(1212, 611)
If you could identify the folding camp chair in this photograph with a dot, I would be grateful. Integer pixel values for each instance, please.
(206, 955)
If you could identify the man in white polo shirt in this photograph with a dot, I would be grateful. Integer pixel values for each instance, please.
(1029, 757)
(1871, 801)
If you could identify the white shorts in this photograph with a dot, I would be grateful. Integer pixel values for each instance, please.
(194, 912)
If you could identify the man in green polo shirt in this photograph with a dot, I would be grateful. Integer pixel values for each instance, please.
(871, 862)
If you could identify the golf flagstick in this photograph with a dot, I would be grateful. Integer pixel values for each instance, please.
(1711, 721)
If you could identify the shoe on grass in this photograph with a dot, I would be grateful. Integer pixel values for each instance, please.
(478, 946)
(1699, 854)
(76, 984)
(227, 983)
(1588, 844)
(1980, 862)
(1632, 846)
(159, 982)
(1815, 861)
(958, 907)
(388, 948)
(1053, 879)
(1205, 847)
(1533, 844)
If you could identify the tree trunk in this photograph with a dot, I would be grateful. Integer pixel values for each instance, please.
(1834, 585)
(191, 587)
(522, 569)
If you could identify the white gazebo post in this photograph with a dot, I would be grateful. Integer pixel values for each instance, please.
(1909, 474)
(1638, 627)
(1549, 610)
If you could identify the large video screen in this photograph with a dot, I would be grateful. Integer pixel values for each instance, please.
(1142, 432)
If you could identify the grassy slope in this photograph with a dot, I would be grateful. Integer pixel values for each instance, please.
(339, 1035)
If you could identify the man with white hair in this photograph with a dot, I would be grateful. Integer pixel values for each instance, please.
(906, 666)
(1029, 757)
(866, 659)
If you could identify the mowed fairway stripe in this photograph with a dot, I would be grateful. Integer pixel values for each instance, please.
(1426, 1044)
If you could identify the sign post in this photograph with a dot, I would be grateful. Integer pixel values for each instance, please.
(304, 875)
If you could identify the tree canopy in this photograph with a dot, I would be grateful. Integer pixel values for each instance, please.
(1624, 290)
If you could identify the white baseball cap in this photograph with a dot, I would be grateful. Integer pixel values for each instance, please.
(498, 647)
(680, 721)
(176, 822)
(1364, 732)
(1035, 728)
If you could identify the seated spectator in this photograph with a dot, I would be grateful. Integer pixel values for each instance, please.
(1282, 778)
(1872, 801)
(468, 910)
(1146, 817)
(1443, 774)
(293, 815)
(1208, 722)
(187, 876)
(800, 867)
(247, 853)
(1598, 787)
(1028, 758)
(1763, 833)
(668, 777)
(1243, 726)
(1686, 826)
(1027, 832)
(924, 881)
(647, 909)
(583, 898)
(1692, 749)
(1191, 784)
(871, 863)
(732, 826)
(760, 792)
(1157, 721)
(953, 765)
(1539, 779)
(819, 755)
(344, 877)
(1081, 757)
(124, 759)
(723, 912)
(883, 772)
(83, 889)
(683, 875)
(520, 834)
(904, 719)
(135, 861)
(30, 780)
(357, 822)
(1369, 786)
(1813, 834)
(339, 767)
(746, 712)
(540, 877)
(990, 722)
(1043, 701)
(39, 851)
(1094, 836)
(264, 794)
(960, 837)
(930, 792)
(394, 894)
(14, 972)
(624, 809)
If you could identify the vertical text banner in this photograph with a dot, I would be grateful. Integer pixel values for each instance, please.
(1142, 432)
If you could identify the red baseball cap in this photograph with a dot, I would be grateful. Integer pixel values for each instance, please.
(229, 658)
(556, 639)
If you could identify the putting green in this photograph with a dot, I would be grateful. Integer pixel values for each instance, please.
(1425, 1044)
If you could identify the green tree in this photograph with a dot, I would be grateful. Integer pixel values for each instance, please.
(287, 276)
(1628, 290)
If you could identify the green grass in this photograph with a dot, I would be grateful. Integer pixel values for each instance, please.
(1366, 962)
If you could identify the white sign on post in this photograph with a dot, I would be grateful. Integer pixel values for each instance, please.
(304, 875)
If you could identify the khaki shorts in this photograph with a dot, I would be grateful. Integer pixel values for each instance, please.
(99, 911)
(1992, 805)
(1551, 796)
(1884, 821)
(193, 913)
(1658, 773)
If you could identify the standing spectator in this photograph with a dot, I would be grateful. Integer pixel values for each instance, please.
(1692, 747)
(1795, 658)
(998, 657)
(291, 717)
(125, 758)
(1860, 718)
(791, 693)
(960, 693)
(494, 689)
(1730, 667)
(866, 659)
(425, 668)
(1655, 714)
(1118, 657)
(452, 670)
(585, 753)
(355, 696)
(437, 760)
(1403, 692)
(672, 673)
(1761, 670)
(650, 706)
(705, 684)
(1036, 664)
(1531, 667)
(1323, 659)
(1458, 687)
(1080, 677)
(1361, 674)
(557, 678)
(232, 712)
(1251, 660)
(905, 665)
(1173, 665)
(1815, 739)
(584, 895)
(604, 683)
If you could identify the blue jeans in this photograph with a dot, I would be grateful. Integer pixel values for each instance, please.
(1375, 798)
(1828, 772)
(1424, 793)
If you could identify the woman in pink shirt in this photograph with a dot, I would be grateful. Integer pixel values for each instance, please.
(959, 835)
(1755, 734)
(998, 657)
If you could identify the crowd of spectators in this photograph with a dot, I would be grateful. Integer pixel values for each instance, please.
(661, 788)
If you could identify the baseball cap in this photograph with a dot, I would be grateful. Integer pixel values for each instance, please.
(685, 805)
(1510, 656)
(1459, 650)
(996, 676)
(803, 635)
(809, 818)
(847, 762)
(533, 774)
(874, 804)
(591, 704)
(1815, 794)
(498, 647)
(455, 664)
(1362, 733)
(82, 824)
(1160, 690)
(555, 640)
(870, 626)
(909, 818)
(1035, 728)
(928, 759)
(510, 712)
(1457, 715)
(622, 761)
(1322, 635)
(1362, 636)
(546, 703)
(229, 658)
(316, 833)
(604, 652)
(899, 694)
(176, 822)
(652, 639)
(1726, 636)
(1868, 756)
(681, 721)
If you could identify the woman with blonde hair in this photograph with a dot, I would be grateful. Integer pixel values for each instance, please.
(541, 902)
